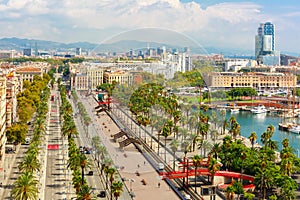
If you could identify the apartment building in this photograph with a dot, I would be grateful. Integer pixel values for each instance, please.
(2, 118)
(86, 77)
(257, 80)
(119, 76)
(13, 87)
(30, 69)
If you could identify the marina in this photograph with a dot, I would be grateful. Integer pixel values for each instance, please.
(258, 123)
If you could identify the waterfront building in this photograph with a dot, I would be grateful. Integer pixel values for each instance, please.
(256, 80)
(235, 64)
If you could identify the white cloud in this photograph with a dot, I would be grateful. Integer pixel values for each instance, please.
(77, 20)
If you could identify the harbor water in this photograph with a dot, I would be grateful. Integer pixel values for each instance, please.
(258, 123)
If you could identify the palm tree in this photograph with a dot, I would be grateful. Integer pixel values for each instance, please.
(84, 193)
(117, 189)
(105, 164)
(79, 160)
(215, 150)
(224, 126)
(167, 131)
(174, 147)
(197, 160)
(195, 139)
(101, 151)
(214, 135)
(77, 180)
(111, 172)
(25, 187)
(213, 167)
(252, 138)
(235, 129)
(30, 163)
(230, 193)
(69, 129)
(183, 133)
(206, 146)
(84, 163)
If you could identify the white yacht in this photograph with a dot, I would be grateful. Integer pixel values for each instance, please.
(234, 110)
(295, 129)
(259, 109)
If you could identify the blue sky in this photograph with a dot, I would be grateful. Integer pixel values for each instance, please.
(208, 23)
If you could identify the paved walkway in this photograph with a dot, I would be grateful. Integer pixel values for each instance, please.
(129, 161)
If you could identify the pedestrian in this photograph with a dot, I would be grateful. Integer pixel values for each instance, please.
(138, 166)
(158, 185)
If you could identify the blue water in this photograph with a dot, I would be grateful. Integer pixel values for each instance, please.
(259, 122)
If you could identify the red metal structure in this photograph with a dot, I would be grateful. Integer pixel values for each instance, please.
(188, 169)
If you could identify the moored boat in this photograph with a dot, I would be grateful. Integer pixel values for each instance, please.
(234, 110)
(295, 129)
(259, 109)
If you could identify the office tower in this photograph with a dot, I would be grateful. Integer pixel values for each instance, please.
(27, 52)
(264, 41)
(78, 51)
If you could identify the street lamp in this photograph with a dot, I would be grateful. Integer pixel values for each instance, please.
(130, 184)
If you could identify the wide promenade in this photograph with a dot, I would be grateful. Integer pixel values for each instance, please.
(128, 161)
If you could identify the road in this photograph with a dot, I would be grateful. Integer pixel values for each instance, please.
(11, 171)
(57, 181)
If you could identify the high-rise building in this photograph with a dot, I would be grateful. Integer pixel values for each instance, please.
(265, 41)
(78, 51)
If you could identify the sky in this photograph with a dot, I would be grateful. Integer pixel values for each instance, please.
(208, 23)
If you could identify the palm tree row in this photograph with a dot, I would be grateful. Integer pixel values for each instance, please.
(77, 162)
(26, 186)
(147, 101)
(235, 156)
(103, 160)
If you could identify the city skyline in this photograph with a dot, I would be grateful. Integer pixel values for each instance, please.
(214, 23)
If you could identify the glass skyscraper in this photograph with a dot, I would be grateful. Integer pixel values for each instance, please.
(265, 43)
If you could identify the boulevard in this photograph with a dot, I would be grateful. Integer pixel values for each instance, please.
(135, 168)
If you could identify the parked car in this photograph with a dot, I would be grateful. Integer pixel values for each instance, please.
(27, 140)
(91, 173)
(102, 194)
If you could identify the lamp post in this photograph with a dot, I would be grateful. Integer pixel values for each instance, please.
(130, 184)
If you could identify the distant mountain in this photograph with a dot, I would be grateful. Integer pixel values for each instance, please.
(43, 45)
(120, 46)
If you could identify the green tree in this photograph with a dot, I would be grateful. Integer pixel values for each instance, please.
(85, 193)
(213, 167)
(25, 187)
(197, 160)
(252, 138)
(117, 189)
